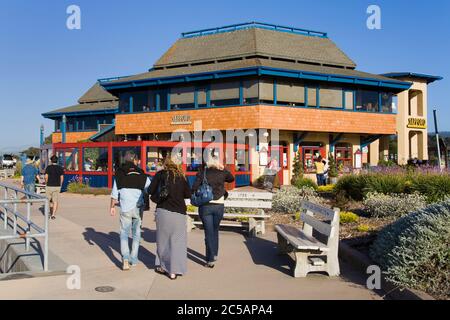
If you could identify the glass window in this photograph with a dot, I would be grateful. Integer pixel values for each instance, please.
(290, 93)
(367, 100)
(140, 101)
(312, 97)
(163, 99)
(201, 97)
(68, 159)
(155, 156)
(195, 160)
(251, 91)
(349, 100)
(386, 102)
(124, 102)
(242, 160)
(119, 155)
(90, 123)
(344, 156)
(95, 159)
(330, 97)
(310, 155)
(182, 98)
(225, 93)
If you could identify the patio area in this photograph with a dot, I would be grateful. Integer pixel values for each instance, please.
(85, 235)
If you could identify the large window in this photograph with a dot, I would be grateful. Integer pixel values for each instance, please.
(95, 159)
(68, 158)
(290, 93)
(124, 102)
(202, 93)
(386, 102)
(330, 97)
(182, 98)
(349, 97)
(251, 91)
(225, 93)
(312, 97)
(367, 101)
(120, 152)
(344, 156)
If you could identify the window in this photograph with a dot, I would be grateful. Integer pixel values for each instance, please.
(349, 97)
(312, 97)
(163, 99)
(251, 93)
(124, 102)
(290, 93)
(310, 153)
(242, 160)
(95, 159)
(68, 159)
(119, 155)
(182, 98)
(225, 93)
(195, 160)
(386, 102)
(155, 156)
(344, 156)
(201, 97)
(143, 102)
(266, 91)
(367, 101)
(330, 97)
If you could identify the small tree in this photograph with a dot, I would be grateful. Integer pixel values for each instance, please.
(332, 168)
(297, 171)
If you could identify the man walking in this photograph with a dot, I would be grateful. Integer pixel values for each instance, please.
(29, 175)
(54, 178)
(128, 191)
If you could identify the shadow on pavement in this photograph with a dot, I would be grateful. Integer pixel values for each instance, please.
(265, 252)
(110, 244)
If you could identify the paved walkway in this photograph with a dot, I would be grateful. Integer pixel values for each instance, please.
(249, 268)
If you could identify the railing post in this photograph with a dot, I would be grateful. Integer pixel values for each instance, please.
(46, 209)
(27, 232)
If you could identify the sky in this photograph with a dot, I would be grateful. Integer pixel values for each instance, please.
(45, 66)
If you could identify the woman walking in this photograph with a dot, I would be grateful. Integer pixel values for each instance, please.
(168, 189)
(212, 213)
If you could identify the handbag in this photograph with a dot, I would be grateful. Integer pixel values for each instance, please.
(204, 193)
(163, 190)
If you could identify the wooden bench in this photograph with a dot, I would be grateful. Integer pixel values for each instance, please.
(6, 173)
(242, 200)
(315, 247)
(40, 188)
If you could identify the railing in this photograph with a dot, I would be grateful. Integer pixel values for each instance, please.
(21, 224)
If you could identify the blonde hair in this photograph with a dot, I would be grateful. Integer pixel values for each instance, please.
(174, 169)
(214, 162)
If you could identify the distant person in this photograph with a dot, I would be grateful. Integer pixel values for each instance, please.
(320, 171)
(128, 191)
(211, 214)
(326, 169)
(29, 176)
(54, 178)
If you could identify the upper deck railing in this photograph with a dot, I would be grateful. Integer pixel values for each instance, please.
(18, 224)
(249, 25)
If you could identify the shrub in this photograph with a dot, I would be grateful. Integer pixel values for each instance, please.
(301, 182)
(288, 199)
(434, 186)
(76, 187)
(414, 250)
(363, 228)
(393, 205)
(297, 170)
(328, 188)
(348, 217)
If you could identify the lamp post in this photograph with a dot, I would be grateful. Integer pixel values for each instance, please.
(42, 135)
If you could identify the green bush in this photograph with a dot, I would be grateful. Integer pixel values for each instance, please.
(348, 217)
(380, 205)
(76, 187)
(414, 251)
(301, 182)
(435, 187)
(288, 199)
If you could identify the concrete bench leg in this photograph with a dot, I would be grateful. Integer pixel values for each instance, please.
(283, 246)
(301, 267)
(333, 265)
(252, 227)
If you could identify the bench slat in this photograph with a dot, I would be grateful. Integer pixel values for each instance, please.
(250, 195)
(324, 212)
(236, 215)
(318, 225)
(299, 240)
(248, 204)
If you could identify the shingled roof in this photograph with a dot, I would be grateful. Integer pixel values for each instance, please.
(254, 42)
(95, 100)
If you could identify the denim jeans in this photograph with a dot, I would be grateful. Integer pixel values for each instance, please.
(31, 187)
(211, 215)
(321, 179)
(130, 220)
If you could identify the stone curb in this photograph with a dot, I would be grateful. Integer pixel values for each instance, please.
(362, 262)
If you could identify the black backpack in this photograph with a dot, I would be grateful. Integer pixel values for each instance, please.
(163, 189)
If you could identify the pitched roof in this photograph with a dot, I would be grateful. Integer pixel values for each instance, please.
(94, 107)
(96, 93)
(411, 75)
(248, 63)
(251, 42)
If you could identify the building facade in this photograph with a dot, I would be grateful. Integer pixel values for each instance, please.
(260, 77)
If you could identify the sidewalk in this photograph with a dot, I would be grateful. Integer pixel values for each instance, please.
(248, 268)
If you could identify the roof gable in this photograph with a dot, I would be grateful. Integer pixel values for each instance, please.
(96, 94)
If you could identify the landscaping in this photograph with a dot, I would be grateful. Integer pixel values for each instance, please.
(397, 216)
(78, 186)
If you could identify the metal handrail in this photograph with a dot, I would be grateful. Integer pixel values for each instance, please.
(11, 217)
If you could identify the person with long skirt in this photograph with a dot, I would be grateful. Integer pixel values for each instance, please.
(171, 231)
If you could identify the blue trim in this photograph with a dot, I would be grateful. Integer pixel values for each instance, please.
(248, 25)
(55, 115)
(196, 98)
(369, 140)
(334, 140)
(318, 97)
(298, 138)
(242, 180)
(168, 100)
(427, 77)
(104, 131)
(158, 101)
(297, 74)
(131, 101)
(208, 96)
(241, 92)
(63, 130)
(380, 108)
(275, 91)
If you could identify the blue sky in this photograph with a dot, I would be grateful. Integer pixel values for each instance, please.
(45, 66)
